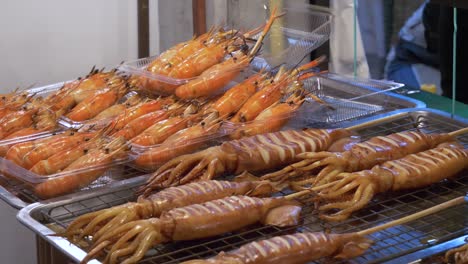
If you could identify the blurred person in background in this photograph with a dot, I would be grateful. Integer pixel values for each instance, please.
(423, 54)
(411, 61)
(440, 35)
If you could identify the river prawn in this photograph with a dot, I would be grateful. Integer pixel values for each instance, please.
(42, 120)
(61, 159)
(233, 99)
(271, 92)
(271, 119)
(14, 101)
(113, 111)
(160, 131)
(217, 76)
(28, 154)
(99, 223)
(17, 120)
(183, 142)
(140, 124)
(93, 164)
(170, 59)
(257, 153)
(140, 109)
(131, 240)
(346, 193)
(93, 105)
(75, 92)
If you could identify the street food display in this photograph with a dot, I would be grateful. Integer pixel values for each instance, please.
(207, 208)
(224, 148)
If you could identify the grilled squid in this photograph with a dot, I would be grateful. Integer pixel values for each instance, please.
(360, 156)
(128, 243)
(102, 221)
(296, 248)
(253, 154)
(349, 192)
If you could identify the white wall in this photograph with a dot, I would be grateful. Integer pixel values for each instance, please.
(53, 40)
(49, 41)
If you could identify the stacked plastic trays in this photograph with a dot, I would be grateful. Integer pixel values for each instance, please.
(342, 99)
(286, 43)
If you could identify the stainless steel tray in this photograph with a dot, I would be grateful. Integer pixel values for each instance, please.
(401, 243)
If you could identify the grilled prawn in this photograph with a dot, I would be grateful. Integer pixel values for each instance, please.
(98, 157)
(256, 153)
(349, 192)
(132, 240)
(103, 221)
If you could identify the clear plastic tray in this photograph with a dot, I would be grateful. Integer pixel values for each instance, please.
(64, 121)
(138, 68)
(347, 98)
(297, 41)
(109, 171)
(15, 138)
(93, 124)
(165, 151)
(304, 28)
(352, 98)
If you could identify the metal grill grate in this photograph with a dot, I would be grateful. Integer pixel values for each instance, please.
(388, 244)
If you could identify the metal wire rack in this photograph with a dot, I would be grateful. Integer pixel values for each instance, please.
(388, 244)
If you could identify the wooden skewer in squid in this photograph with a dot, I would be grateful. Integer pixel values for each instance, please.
(361, 156)
(304, 247)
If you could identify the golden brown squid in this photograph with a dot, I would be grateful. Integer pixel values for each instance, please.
(360, 156)
(296, 248)
(102, 221)
(349, 192)
(131, 241)
(253, 154)
(305, 247)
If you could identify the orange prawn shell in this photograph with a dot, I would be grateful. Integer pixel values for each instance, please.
(138, 125)
(258, 102)
(96, 160)
(160, 131)
(234, 98)
(16, 121)
(139, 110)
(92, 106)
(183, 142)
(213, 79)
(270, 120)
(169, 61)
